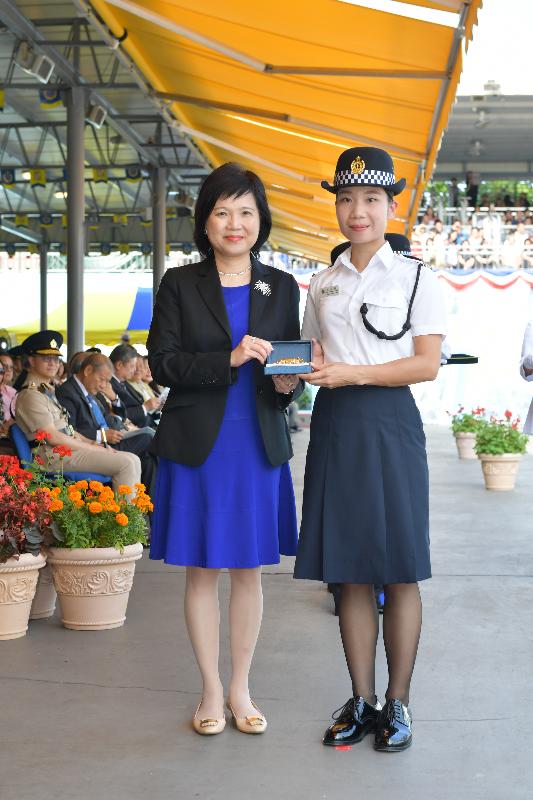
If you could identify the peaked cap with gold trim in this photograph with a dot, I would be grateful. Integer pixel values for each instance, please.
(365, 166)
(43, 343)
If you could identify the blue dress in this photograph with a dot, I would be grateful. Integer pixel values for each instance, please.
(236, 509)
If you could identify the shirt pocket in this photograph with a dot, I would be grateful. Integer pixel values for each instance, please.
(387, 309)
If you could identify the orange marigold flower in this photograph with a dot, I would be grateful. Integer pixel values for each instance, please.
(56, 505)
(78, 503)
(96, 486)
(123, 489)
(81, 485)
(55, 491)
(121, 519)
(140, 487)
(75, 496)
(95, 507)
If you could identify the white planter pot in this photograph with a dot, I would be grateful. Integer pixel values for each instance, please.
(44, 602)
(93, 585)
(18, 580)
(466, 443)
(500, 471)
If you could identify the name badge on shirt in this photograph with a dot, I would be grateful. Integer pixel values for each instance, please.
(327, 291)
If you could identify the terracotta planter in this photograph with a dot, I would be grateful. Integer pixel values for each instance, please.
(93, 585)
(466, 443)
(18, 579)
(44, 602)
(500, 471)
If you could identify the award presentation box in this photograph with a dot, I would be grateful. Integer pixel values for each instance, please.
(289, 358)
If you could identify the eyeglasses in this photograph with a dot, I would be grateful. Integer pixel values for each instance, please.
(2, 372)
(50, 359)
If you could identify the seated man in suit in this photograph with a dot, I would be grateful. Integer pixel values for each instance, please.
(79, 395)
(39, 409)
(127, 403)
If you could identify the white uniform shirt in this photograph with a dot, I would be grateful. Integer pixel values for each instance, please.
(332, 313)
(527, 350)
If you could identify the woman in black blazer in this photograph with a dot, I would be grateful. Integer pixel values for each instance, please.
(224, 495)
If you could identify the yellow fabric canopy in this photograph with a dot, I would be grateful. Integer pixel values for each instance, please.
(285, 87)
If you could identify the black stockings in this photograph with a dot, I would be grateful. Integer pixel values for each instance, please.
(359, 626)
(402, 622)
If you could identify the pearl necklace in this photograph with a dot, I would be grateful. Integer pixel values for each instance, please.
(234, 274)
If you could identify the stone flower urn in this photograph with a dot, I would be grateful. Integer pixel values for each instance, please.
(44, 602)
(500, 471)
(18, 580)
(93, 585)
(466, 443)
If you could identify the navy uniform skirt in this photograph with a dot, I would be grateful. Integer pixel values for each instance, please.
(365, 515)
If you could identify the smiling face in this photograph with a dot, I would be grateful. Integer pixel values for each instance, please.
(363, 212)
(233, 225)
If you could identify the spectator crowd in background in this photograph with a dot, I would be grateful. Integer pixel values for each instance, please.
(476, 231)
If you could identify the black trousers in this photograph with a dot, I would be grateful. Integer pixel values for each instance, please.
(139, 445)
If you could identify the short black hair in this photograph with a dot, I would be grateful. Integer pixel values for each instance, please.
(230, 180)
(123, 352)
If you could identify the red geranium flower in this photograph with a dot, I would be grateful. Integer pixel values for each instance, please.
(62, 450)
(42, 436)
(508, 414)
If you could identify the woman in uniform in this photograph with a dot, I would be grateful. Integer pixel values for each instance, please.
(378, 320)
(224, 494)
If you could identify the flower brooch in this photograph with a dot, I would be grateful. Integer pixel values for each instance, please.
(263, 287)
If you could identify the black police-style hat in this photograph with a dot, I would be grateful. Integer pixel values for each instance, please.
(399, 243)
(16, 352)
(365, 166)
(43, 343)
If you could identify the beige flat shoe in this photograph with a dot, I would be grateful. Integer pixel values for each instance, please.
(253, 724)
(208, 726)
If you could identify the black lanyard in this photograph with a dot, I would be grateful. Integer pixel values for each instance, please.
(406, 325)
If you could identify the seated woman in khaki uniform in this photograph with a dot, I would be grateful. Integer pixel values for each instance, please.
(39, 409)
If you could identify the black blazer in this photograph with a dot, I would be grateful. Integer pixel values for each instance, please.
(189, 348)
(80, 412)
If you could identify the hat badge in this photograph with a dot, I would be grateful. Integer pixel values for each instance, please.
(53, 343)
(357, 166)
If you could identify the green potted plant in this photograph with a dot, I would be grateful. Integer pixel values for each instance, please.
(500, 445)
(25, 528)
(99, 534)
(464, 427)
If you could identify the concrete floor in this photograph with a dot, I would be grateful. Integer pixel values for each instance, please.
(106, 714)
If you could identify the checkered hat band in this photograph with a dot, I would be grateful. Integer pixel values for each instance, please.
(370, 177)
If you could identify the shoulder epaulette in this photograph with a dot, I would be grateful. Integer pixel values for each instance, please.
(32, 385)
(414, 258)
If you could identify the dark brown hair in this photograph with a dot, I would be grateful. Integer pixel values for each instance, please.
(230, 180)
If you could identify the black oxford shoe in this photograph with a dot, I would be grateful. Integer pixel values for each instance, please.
(353, 721)
(393, 729)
